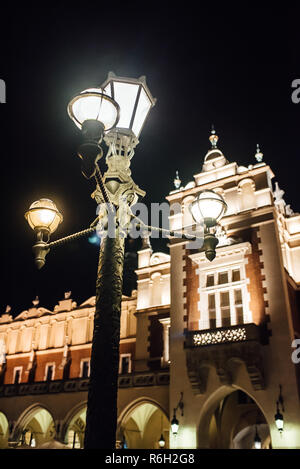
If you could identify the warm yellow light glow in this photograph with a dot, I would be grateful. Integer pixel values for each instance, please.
(43, 214)
(46, 216)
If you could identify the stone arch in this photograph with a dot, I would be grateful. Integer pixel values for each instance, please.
(36, 422)
(73, 427)
(141, 423)
(4, 430)
(206, 418)
(244, 439)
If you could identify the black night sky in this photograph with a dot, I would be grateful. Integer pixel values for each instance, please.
(232, 67)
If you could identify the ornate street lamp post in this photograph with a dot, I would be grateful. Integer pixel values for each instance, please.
(134, 102)
(115, 113)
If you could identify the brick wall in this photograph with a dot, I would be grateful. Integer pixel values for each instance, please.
(254, 272)
(191, 295)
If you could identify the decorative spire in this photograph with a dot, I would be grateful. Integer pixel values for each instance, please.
(36, 302)
(259, 155)
(68, 295)
(177, 181)
(8, 309)
(213, 137)
(289, 211)
(278, 194)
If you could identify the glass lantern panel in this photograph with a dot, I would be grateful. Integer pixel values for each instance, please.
(195, 209)
(257, 444)
(55, 223)
(41, 217)
(95, 107)
(175, 427)
(210, 205)
(142, 110)
(125, 95)
(279, 422)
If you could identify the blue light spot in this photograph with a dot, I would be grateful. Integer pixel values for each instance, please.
(94, 239)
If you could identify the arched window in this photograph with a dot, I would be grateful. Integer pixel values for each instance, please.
(74, 436)
(36, 427)
(246, 190)
(156, 288)
(142, 426)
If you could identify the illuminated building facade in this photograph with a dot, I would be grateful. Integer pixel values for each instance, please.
(215, 337)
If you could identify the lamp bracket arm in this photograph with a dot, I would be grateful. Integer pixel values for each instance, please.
(71, 237)
(180, 404)
(173, 234)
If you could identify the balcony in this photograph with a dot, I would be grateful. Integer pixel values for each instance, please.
(223, 335)
(225, 349)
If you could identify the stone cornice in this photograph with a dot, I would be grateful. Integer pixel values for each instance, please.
(219, 182)
(240, 249)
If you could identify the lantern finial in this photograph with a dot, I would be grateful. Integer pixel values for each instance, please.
(177, 181)
(258, 155)
(213, 137)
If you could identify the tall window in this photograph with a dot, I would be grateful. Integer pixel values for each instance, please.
(85, 368)
(247, 194)
(225, 308)
(125, 363)
(238, 303)
(17, 374)
(49, 372)
(212, 310)
(223, 297)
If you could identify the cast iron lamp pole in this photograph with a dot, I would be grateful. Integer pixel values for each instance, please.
(116, 186)
(99, 116)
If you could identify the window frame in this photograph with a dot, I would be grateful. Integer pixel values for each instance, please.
(123, 355)
(47, 366)
(17, 368)
(82, 361)
(218, 288)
